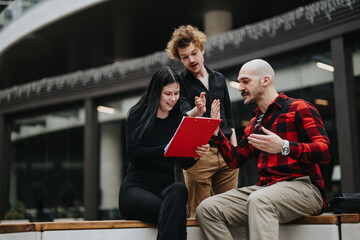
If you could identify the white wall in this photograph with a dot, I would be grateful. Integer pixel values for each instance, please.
(39, 16)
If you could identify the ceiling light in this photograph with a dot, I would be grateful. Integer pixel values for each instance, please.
(325, 66)
(106, 110)
(321, 102)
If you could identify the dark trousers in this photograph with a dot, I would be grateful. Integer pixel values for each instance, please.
(166, 209)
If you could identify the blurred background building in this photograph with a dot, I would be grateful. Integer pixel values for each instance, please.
(70, 70)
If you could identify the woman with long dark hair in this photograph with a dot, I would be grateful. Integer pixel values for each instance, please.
(149, 191)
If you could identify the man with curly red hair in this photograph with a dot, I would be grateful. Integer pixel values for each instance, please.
(211, 175)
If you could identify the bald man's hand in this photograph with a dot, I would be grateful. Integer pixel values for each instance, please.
(215, 113)
(268, 142)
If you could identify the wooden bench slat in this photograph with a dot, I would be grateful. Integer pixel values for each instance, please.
(192, 222)
(23, 227)
(350, 218)
(116, 224)
(92, 225)
(321, 219)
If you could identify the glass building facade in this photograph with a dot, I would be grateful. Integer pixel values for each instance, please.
(46, 167)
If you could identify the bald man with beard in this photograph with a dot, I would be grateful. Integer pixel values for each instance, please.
(287, 138)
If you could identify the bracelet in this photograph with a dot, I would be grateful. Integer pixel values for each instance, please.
(196, 159)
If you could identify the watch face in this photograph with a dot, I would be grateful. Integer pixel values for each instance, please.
(285, 150)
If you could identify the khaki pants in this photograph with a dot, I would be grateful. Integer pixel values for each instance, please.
(261, 208)
(210, 175)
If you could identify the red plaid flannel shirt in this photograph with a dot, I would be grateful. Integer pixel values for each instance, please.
(303, 127)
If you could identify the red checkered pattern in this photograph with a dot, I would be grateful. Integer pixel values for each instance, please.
(302, 126)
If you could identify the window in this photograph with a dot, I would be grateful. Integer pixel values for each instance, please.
(46, 176)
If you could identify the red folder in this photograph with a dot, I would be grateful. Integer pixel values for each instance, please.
(192, 132)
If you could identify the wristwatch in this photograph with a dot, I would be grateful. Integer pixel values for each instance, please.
(285, 150)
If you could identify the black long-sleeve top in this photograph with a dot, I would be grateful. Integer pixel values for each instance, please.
(192, 87)
(149, 168)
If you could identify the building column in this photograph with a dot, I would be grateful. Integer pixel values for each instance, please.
(217, 17)
(91, 162)
(346, 122)
(110, 165)
(5, 132)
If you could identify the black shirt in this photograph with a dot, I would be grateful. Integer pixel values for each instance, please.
(192, 87)
(149, 168)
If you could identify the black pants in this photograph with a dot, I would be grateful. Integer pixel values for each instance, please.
(166, 209)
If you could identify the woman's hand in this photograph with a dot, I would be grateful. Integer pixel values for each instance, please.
(203, 150)
(215, 113)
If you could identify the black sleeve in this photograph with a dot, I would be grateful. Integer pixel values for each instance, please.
(187, 162)
(185, 103)
(135, 148)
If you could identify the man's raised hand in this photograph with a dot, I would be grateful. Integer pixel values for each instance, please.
(200, 103)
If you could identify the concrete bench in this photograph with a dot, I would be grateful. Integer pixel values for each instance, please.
(326, 226)
(350, 226)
